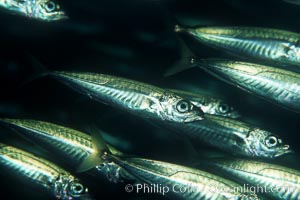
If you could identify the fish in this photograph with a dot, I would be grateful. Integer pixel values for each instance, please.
(272, 45)
(278, 86)
(176, 181)
(209, 104)
(43, 10)
(78, 149)
(233, 136)
(42, 173)
(278, 182)
(141, 99)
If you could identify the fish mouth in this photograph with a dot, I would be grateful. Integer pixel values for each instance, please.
(63, 15)
(194, 119)
(200, 118)
(200, 114)
(60, 15)
(196, 115)
(284, 151)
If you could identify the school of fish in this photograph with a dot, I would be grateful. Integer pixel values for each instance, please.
(250, 152)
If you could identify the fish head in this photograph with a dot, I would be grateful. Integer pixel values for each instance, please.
(47, 10)
(179, 109)
(225, 110)
(292, 52)
(217, 107)
(264, 144)
(70, 188)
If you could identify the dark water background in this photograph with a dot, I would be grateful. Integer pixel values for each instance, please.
(132, 39)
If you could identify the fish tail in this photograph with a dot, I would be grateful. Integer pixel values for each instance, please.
(101, 150)
(173, 24)
(5, 122)
(187, 59)
(39, 70)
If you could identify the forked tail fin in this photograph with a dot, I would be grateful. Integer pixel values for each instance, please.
(186, 61)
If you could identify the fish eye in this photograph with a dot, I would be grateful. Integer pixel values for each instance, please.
(50, 6)
(77, 188)
(183, 106)
(223, 108)
(271, 141)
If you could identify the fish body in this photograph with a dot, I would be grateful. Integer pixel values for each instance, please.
(276, 181)
(233, 136)
(46, 10)
(275, 85)
(209, 104)
(75, 147)
(42, 173)
(277, 46)
(139, 98)
(171, 177)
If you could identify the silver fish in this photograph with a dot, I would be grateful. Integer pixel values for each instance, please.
(273, 180)
(274, 45)
(209, 104)
(46, 10)
(278, 86)
(179, 181)
(233, 136)
(42, 173)
(139, 98)
(77, 148)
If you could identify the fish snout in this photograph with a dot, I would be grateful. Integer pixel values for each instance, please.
(285, 149)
